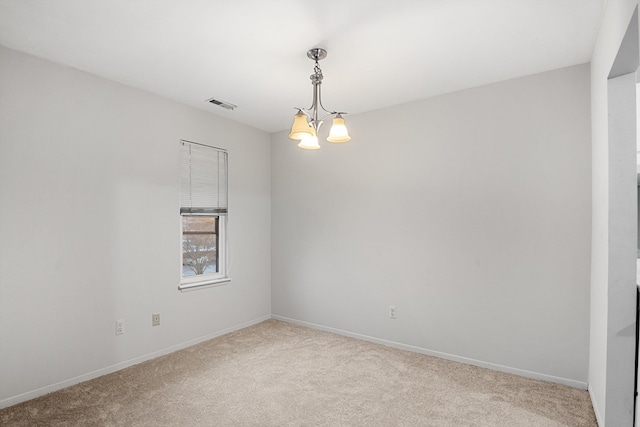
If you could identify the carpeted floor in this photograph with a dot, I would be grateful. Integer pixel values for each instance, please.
(279, 374)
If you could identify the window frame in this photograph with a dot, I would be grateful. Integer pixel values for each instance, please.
(219, 277)
(220, 212)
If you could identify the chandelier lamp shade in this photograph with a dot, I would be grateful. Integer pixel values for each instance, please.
(307, 123)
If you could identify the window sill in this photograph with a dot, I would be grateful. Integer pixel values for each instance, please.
(184, 287)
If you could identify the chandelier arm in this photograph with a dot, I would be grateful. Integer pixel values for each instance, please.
(305, 111)
(315, 123)
(322, 106)
(328, 115)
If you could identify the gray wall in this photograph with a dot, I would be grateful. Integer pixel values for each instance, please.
(470, 212)
(89, 226)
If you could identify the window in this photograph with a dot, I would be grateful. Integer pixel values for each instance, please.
(199, 245)
(203, 215)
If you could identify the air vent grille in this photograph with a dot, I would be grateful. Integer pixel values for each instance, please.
(223, 104)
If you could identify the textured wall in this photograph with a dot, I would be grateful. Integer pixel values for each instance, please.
(89, 185)
(470, 212)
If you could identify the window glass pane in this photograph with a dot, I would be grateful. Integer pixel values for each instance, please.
(199, 245)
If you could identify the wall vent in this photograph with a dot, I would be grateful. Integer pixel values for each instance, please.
(223, 104)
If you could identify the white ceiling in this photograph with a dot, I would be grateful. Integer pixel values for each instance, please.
(252, 53)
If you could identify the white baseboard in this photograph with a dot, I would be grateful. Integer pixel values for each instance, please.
(118, 366)
(506, 369)
(595, 407)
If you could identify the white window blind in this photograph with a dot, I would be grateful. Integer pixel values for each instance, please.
(203, 179)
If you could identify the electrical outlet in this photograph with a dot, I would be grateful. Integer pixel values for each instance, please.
(155, 319)
(392, 312)
(120, 327)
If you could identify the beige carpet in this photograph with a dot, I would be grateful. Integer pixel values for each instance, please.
(279, 374)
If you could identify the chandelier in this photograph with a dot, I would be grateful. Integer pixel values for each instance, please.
(306, 123)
